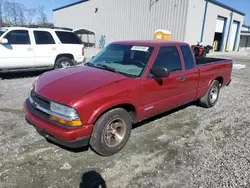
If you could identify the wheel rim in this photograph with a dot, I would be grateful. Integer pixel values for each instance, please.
(64, 64)
(214, 94)
(115, 132)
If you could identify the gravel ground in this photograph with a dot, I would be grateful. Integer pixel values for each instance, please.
(187, 147)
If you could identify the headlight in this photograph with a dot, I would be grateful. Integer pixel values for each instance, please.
(64, 114)
(63, 110)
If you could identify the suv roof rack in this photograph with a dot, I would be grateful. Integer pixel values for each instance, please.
(47, 27)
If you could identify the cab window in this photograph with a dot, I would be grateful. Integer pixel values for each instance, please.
(168, 57)
(188, 57)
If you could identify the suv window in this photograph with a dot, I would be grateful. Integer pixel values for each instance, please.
(43, 37)
(68, 37)
(188, 58)
(168, 57)
(18, 37)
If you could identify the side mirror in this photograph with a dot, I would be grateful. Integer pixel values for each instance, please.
(160, 72)
(4, 41)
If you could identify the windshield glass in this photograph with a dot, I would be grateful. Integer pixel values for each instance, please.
(1, 32)
(129, 60)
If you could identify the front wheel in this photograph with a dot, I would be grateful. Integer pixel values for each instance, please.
(63, 62)
(211, 98)
(111, 132)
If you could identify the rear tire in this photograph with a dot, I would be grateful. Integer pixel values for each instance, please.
(211, 98)
(111, 132)
(63, 62)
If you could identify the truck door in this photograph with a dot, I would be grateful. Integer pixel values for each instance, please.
(18, 52)
(160, 95)
(190, 75)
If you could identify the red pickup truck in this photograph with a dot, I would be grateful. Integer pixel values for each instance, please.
(125, 83)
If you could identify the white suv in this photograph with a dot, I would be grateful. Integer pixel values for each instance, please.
(26, 48)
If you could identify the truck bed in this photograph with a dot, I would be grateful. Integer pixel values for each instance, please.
(208, 60)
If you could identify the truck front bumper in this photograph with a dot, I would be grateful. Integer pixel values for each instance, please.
(71, 138)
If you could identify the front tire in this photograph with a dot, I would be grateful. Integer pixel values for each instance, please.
(63, 62)
(111, 132)
(211, 98)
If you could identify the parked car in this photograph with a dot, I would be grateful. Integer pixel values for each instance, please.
(125, 83)
(28, 48)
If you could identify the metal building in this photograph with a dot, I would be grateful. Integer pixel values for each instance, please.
(245, 38)
(187, 20)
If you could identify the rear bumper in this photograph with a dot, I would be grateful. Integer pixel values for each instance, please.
(79, 60)
(72, 138)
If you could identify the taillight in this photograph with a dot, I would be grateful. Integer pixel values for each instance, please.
(82, 51)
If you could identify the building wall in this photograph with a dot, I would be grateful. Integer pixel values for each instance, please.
(245, 29)
(195, 14)
(196, 9)
(126, 19)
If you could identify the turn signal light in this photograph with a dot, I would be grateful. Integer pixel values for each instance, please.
(76, 123)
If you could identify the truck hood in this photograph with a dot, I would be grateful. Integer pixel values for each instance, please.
(68, 85)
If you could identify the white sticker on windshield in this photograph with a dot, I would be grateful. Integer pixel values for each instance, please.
(140, 48)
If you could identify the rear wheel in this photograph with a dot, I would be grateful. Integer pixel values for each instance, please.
(210, 99)
(63, 62)
(111, 132)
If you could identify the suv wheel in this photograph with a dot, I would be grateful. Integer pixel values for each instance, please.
(111, 132)
(63, 62)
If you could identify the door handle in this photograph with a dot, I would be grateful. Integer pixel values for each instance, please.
(182, 78)
(29, 49)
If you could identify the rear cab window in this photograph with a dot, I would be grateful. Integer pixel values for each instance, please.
(188, 57)
(68, 37)
(168, 57)
(43, 37)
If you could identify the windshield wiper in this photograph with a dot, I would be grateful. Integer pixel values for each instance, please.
(90, 64)
(107, 68)
(101, 66)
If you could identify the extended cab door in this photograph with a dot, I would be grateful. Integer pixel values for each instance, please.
(18, 52)
(45, 49)
(162, 94)
(190, 74)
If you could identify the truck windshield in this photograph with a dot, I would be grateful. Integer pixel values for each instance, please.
(128, 60)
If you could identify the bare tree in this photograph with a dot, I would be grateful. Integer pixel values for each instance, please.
(13, 13)
(42, 17)
(1, 11)
(21, 12)
(30, 14)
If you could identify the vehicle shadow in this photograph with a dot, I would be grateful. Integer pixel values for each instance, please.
(92, 179)
(74, 150)
(15, 75)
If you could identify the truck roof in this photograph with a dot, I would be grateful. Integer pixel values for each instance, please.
(150, 42)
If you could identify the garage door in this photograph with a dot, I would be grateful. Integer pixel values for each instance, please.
(220, 25)
(233, 35)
